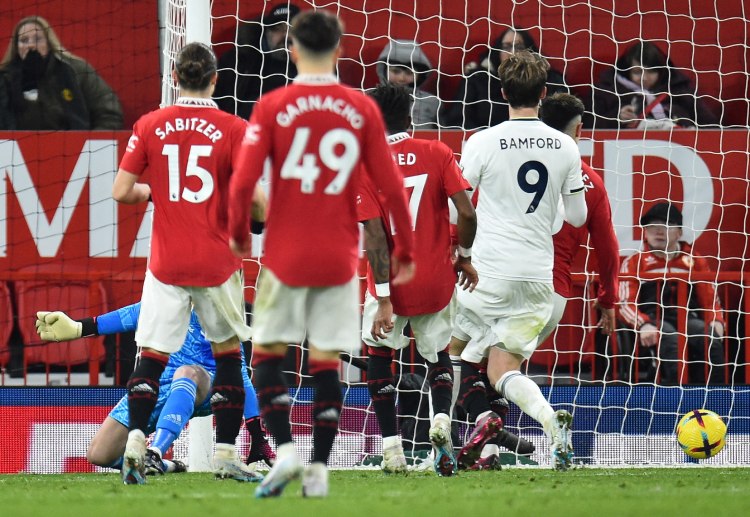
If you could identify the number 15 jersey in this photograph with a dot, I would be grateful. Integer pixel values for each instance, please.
(521, 167)
(189, 151)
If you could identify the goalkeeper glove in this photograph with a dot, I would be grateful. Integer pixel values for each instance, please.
(57, 326)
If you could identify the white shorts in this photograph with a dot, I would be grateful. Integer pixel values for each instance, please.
(327, 316)
(508, 314)
(165, 312)
(558, 309)
(432, 332)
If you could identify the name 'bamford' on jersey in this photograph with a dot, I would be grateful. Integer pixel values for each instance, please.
(309, 103)
(530, 143)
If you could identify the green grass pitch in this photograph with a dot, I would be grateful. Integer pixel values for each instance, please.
(512, 492)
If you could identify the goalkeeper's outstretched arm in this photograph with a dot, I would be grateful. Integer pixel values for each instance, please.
(58, 326)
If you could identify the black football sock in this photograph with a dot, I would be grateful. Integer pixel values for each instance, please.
(440, 378)
(273, 395)
(143, 388)
(228, 396)
(382, 388)
(327, 408)
(472, 396)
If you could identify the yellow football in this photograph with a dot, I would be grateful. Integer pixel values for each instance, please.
(701, 434)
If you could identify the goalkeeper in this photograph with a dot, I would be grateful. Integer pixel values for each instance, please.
(185, 389)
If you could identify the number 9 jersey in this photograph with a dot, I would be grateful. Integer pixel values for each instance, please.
(188, 152)
(521, 168)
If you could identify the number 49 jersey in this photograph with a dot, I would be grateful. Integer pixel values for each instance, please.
(188, 151)
(521, 168)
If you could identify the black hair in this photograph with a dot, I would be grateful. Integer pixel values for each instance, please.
(195, 65)
(649, 56)
(395, 104)
(560, 109)
(495, 49)
(317, 32)
(523, 77)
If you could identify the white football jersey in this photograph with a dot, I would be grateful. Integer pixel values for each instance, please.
(521, 167)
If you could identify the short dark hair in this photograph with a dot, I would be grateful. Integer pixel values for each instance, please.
(649, 56)
(664, 212)
(559, 110)
(524, 76)
(317, 32)
(395, 104)
(195, 65)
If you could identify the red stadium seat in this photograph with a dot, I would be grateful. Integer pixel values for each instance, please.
(78, 300)
(6, 323)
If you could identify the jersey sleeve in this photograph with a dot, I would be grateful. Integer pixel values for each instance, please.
(471, 164)
(629, 286)
(574, 179)
(386, 177)
(604, 242)
(367, 204)
(706, 292)
(123, 319)
(135, 160)
(452, 180)
(247, 170)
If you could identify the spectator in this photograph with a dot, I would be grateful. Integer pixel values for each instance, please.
(645, 90)
(258, 64)
(479, 103)
(650, 306)
(403, 63)
(45, 87)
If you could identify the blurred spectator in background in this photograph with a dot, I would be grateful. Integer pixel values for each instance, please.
(645, 90)
(403, 63)
(45, 87)
(259, 62)
(479, 103)
(650, 306)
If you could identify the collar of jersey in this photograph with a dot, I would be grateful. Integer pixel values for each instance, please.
(392, 139)
(316, 79)
(196, 102)
(525, 119)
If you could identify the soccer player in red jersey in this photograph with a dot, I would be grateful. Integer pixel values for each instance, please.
(320, 137)
(432, 178)
(189, 151)
(563, 112)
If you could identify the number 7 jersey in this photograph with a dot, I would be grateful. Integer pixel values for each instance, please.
(521, 168)
(188, 152)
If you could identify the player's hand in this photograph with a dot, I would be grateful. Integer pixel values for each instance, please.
(241, 249)
(607, 319)
(648, 334)
(467, 275)
(402, 272)
(57, 326)
(383, 322)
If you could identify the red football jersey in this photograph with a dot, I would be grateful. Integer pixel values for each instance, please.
(189, 150)
(603, 239)
(320, 136)
(431, 176)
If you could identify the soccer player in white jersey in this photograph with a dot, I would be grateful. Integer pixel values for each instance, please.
(521, 168)
(188, 151)
(322, 139)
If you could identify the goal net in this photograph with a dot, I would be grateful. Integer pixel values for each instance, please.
(691, 150)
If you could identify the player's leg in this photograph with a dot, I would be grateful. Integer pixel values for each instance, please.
(164, 317)
(189, 387)
(221, 312)
(381, 384)
(432, 332)
(279, 318)
(333, 327)
(108, 444)
(260, 449)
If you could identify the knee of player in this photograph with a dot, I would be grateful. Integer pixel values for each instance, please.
(96, 454)
(199, 376)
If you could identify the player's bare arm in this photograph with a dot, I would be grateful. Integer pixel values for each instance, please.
(127, 190)
(467, 229)
(378, 255)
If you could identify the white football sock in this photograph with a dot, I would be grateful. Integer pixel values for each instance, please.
(525, 393)
(456, 363)
(391, 441)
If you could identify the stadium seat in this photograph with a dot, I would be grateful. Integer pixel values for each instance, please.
(78, 300)
(6, 323)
